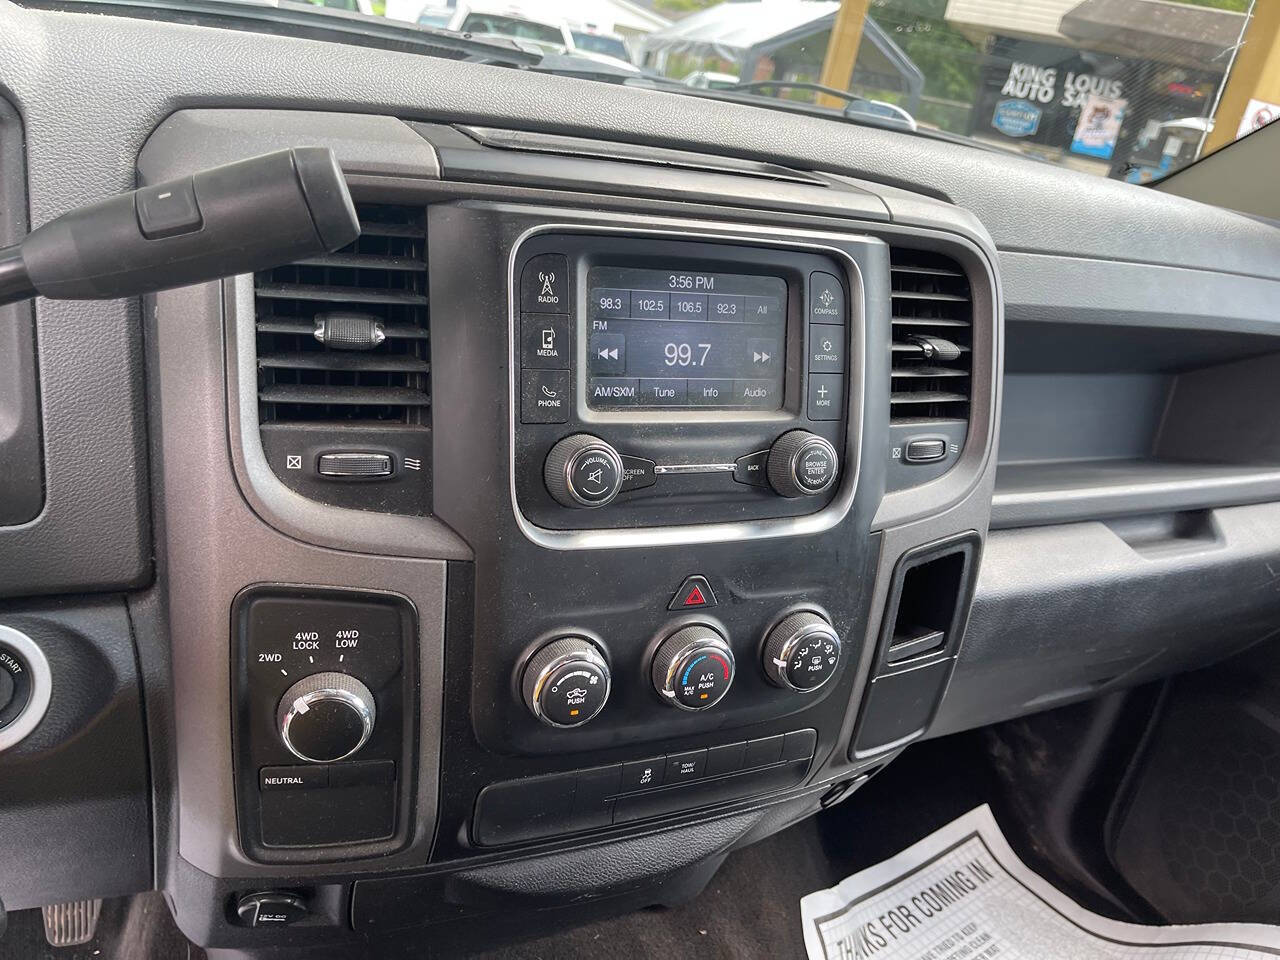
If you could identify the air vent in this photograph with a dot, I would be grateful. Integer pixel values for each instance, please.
(344, 337)
(932, 338)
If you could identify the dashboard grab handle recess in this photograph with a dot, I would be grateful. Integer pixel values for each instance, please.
(237, 218)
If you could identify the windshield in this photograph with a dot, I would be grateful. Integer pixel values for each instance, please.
(1128, 89)
(511, 27)
(594, 43)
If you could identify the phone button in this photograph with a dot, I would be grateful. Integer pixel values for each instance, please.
(544, 284)
(544, 396)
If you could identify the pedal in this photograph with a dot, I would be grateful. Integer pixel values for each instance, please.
(69, 924)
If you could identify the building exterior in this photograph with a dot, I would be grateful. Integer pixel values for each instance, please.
(1125, 87)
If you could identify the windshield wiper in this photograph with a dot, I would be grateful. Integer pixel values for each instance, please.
(311, 21)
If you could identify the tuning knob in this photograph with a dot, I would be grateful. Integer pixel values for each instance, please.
(326, 717)
(693, 668)
(566, 683)
(583, 471)
(802, 652)
(802, 464)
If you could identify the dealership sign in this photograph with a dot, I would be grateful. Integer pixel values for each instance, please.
(1016, 118)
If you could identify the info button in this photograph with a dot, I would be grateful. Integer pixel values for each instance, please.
(711, 393)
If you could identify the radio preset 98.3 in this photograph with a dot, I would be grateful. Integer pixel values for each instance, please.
(671, 338)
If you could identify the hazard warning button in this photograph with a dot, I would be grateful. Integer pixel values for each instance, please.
(694, 594)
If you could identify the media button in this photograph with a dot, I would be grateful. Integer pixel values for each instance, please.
(725, 307)
(664, 393)
(710, 393)
(757, 393)
(544, 396)
(544, 341)
(826, 348)
(763, 309)
(544, 285)
(607, 353)
(688, 306)
(649, 305)
(614, 391)
(608, 302)
(826, 299)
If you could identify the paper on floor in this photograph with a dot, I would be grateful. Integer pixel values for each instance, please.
(962, 894)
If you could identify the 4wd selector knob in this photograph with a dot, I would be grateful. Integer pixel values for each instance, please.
(583, 471)
(802, 464)
(693, 668)
(326, 717)
(802, 652)
(566, 683)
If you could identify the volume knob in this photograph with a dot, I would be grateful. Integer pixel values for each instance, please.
(583, 471)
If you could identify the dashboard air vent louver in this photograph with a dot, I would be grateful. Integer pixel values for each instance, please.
(344, 337)
(932, 337)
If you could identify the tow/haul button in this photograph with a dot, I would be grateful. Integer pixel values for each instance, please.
(693, 668)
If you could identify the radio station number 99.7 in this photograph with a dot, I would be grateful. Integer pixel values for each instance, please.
(686, 354)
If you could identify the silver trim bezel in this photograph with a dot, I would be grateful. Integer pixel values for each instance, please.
(824, 519)
(41, 686)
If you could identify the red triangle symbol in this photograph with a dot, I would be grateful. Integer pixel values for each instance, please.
(695, 598)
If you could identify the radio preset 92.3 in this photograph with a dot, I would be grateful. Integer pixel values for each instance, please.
(677, 338)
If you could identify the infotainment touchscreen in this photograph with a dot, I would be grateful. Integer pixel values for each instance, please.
(678, 338)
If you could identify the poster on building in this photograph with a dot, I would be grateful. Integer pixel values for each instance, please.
(1098, 128)
(1256, 116)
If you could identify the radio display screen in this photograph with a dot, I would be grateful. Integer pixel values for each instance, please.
(677, 338)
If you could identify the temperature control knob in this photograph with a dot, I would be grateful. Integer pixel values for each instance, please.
(566, 683)
(693, 668)
(802, 464)
(326, 717)
(583, 471)
(802, 652)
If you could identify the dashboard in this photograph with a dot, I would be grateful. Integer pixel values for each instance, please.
(633, 487)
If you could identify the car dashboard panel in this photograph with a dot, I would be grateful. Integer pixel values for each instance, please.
(616, 491)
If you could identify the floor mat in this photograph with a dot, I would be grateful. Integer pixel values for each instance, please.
(963, 894)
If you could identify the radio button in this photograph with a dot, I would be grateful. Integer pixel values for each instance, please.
(544, 342)
(826, 299)
(544, 284)
(610, 303)
(664, 393)
(607, 354)
(544, 396)
(826, 348)
(710, 393)
(826, 396)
